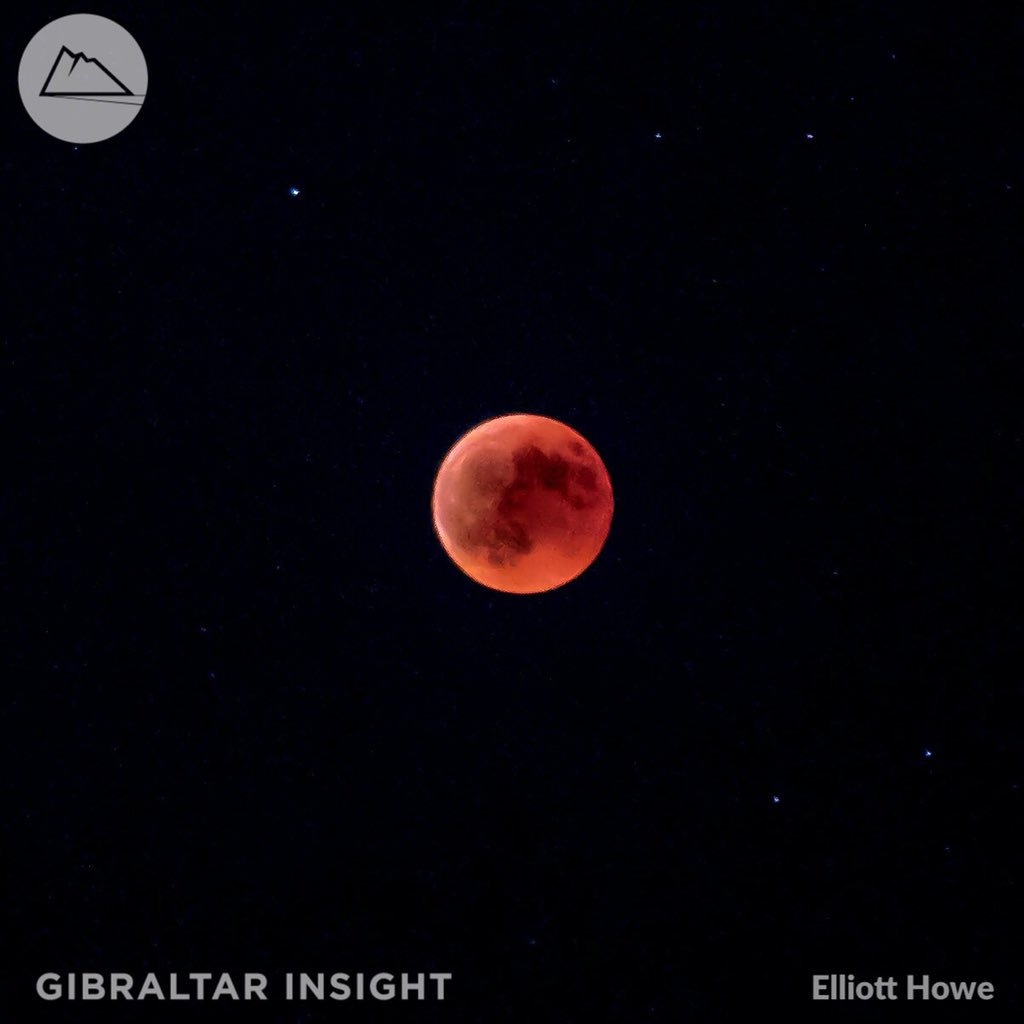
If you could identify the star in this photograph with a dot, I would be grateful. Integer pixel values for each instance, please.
(293, 191)
(927, 752)
(657, 135)
(775, 799)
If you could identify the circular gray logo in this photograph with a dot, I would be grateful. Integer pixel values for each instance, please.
(83, 78)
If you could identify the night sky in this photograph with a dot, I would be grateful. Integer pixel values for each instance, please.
(255, 719)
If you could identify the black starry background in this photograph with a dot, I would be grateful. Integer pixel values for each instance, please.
(253, 719)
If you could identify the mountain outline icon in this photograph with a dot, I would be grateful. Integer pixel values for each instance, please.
(75, 74)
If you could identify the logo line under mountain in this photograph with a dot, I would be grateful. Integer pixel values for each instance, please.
(77, 76)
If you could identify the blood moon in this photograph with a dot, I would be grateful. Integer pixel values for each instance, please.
(522, 503)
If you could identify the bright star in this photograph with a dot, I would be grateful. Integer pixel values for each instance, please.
(293, 191)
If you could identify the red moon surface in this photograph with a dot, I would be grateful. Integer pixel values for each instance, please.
(522, 503)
